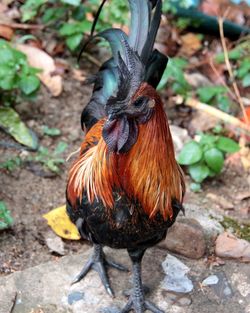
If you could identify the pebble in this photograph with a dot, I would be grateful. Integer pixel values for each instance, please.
(229, 246)
(176, 279)
(54, 243)
(186, 237)
(210, 280)
(180, 137)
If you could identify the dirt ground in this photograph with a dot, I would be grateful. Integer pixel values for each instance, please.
(29, 195)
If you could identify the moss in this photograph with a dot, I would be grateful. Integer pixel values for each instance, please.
(240, 230)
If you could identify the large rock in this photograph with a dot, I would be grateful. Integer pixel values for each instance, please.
(229, 246)
(186, 237)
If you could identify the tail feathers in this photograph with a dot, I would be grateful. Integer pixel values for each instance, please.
(154, 26)
(140, 21)
(155, 68)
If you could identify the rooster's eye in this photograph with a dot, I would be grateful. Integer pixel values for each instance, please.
(139, 102)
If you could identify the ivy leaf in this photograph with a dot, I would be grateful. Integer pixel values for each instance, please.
(6, 219)
(246, 81)
(227, 145)
(51, 131)
(214, 159)
(60, 148)
(74, 41)
(198, 172)
(190, 154)
(12, 124)
(206, 94)
(29, 84)
(72, 2)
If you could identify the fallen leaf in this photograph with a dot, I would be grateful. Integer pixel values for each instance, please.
(191, 43)
(40, 59)
(10, 121)
(6, 32)
(60, 223)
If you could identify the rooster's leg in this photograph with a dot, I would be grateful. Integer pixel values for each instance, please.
(99, 263)
(137, 300)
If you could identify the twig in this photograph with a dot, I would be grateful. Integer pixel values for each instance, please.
(229, 67)
(242, 127)
(23, 26)
(92, 59)
(13, 303)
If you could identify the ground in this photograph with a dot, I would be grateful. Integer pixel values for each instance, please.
(30, 192)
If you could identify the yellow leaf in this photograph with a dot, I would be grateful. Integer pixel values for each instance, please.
(60, 223)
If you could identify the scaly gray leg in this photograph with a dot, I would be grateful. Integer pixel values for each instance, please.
(99, 263)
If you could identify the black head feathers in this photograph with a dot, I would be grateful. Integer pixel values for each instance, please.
(133, 58)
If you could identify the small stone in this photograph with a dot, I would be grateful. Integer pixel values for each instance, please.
(209, 220)
(184, 301)
(229, 246)
(210, 280)
(54, 243)
(176, 279)
(222, 289)
(180, 137)
(75, 297)
(221, 201)
(187, 238)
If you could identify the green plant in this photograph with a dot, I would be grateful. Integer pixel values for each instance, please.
(50, 160)
(174, 74)
(11, 164)
(240, 56)
(205, 158)
(51, 131)
(6, 219)
(17, 78)
(73, 32)
(215, 95)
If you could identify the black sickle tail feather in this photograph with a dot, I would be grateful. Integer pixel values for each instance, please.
(136, 53)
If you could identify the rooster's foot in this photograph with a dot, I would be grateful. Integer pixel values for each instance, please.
(99, 263)
(139, 306)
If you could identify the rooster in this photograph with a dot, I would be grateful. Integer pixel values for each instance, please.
(126, 189)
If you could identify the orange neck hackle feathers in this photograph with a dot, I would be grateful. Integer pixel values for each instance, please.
(148, 173)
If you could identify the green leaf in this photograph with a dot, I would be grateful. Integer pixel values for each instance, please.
(214, 159)
(53, 14)
(69, 29)
(195, 187)
(244, 68)
(224, 103)
(175, 72)
(8, 82)
(51, 131)
(246, 81)
(206, 94)
(5, 217)
(29, 84)
(60, 148)
(198, 172)
(227, 145)
(74, 41)
(190, 154)
(234, 54)
(12, 124)
(72, 2)
(30, 9)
